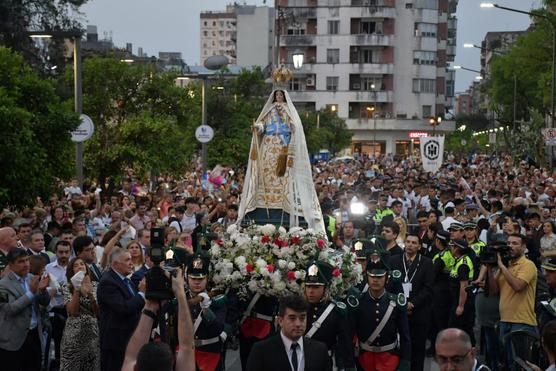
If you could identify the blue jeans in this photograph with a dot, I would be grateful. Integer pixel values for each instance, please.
(520, 345)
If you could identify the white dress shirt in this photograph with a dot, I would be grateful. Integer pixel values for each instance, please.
(300, 358)
(58, 272)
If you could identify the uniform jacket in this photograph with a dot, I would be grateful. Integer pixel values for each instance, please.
(16, 312)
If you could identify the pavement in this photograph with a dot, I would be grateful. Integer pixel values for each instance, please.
(233, 363)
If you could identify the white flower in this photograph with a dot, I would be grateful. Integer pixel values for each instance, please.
(264, 271)
(240, 261)
(236, 276)
(252, 286)
(276, 276)
(268, 229)
(261, 263)
(279, 285)
(282, 231)
(231, 229)
(323, 255)
(291, 266)
(282, 263)
(299, 275)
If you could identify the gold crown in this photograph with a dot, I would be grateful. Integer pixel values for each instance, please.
(281, 74)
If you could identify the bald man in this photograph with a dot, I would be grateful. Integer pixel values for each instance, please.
(454, 352)
(8, 242)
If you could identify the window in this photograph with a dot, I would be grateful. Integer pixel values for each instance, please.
(425, 29)
(332, 56)
(295, 84)
(296, 30)
(367, 27)
(332, 83)
(221, 23)
(449, 88)
(424, 85)
(424, 57)
(366, 56)
(333, 27)
(205, 33)
(213, 23)
(367, 83)
(334, 12)
(426, 4)
(206, 23)
(427, 111)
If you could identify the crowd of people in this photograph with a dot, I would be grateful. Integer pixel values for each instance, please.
(463, 260)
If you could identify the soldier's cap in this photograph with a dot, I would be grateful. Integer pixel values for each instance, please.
(443, 235)
(376, 267)
(549, 265)
(470, 225)
(319, 273)
(461, 244)
(456, 226)
(372, 201)
(198, 265)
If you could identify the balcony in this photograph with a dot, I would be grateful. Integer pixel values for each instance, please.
(452, 23)
(371, 40)
(366, 96)
(371, 3)
(304, 13)
(393, 124)
(298, 40)
(377, 12)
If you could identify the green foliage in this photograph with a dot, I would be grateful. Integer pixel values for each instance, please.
(332, 132)
(473, 122)
(143, 120)
(35, 145)
(528, 140)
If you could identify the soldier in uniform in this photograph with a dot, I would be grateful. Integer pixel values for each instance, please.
(547, 308)
(380, 323)
(208, 316)
(442, 264)
(462, 308)
(327, 319)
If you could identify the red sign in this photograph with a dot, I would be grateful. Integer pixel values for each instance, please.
(418, 134)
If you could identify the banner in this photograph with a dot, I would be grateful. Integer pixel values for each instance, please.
(432, 153)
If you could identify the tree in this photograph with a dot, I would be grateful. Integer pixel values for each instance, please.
(35, 145)
(332, 132)
(143, 120)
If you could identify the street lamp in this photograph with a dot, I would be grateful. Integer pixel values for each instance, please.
(298, 57)
(77, 85)
(434, 121)
(553, 25)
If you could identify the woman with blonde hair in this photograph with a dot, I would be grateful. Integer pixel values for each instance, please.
(136, 252)
(403, 231)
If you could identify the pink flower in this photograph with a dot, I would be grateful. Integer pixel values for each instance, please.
(321, 243)
(336, 272)
(270, 268)
(291, 275)
(265, 239)
(249, 268)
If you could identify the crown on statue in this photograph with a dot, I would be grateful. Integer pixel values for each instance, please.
(282, 75)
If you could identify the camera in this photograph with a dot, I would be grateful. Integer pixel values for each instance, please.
(488, 255)
(159, 286)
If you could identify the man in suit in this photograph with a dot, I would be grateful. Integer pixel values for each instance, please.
(8, 242)
(20, 321)
(417, 282)
(83, 247)
(36, 246)
(120, 309)
(288, 350)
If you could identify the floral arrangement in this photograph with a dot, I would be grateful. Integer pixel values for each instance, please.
(272, 261)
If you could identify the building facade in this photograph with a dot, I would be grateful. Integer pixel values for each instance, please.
(255, 35)
(218, 34)
(380, 64)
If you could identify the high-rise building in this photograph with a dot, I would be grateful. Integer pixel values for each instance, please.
(218, 34)
(255, 35)
(380, 64)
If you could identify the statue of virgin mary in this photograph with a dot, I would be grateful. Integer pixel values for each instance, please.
(278, 186)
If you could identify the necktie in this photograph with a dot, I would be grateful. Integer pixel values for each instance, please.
(294, 355)
(128, 284)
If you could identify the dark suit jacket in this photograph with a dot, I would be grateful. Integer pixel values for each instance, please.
(270, 355)
(119, 311)
(422, 283)
(138, 275)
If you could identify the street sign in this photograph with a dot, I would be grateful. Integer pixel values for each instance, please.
(549, 136)
(84, 131)
(204, 133)
(492, 138)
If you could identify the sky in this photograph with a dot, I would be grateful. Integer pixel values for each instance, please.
(173, 25)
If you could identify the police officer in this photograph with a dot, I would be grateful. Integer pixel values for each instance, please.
(208, 316)
(379, 321)
(327, 319)
(382, 210)
(442, 264)
(329, 220)
(470, 230)
(462, 308)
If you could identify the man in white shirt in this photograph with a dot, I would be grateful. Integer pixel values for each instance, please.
(57, 310)
(289, 350)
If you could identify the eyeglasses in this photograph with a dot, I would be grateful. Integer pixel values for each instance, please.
(454, 360)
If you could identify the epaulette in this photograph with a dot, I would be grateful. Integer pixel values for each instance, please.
(399, 299)
(396, 275)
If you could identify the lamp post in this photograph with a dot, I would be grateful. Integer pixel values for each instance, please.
(77, 85)
(553, 26)
(212, 63)
(298, 58)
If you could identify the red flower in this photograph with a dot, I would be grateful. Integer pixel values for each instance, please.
(219, 242)
(291, 275)
(336, 272)
(278, 242)
(296, 240)
(321, 243)
(249, 268)
(270, 268)
(265, 239)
